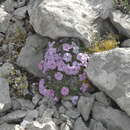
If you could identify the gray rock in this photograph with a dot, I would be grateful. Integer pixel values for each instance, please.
(113, 119)
(20, 13)
(5, 70)
(85, 105)
(102, 98)
(36, 99)
(21, 3)
(126, 43)
(62, 110)
(67, 104)
(73, 113)
(96, 125)
(5, 101)
(80, 125)
(13, 117)
(25, 104)
(4, 20)
(9, 5)
(64, 126)
(6, 126)
(62, 19)
(31, 115)
(121, 22)
(31, 55)
(110, 72)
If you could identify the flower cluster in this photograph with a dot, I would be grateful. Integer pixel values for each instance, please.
(63, 68)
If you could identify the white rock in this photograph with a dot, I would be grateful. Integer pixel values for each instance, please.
(74, 18)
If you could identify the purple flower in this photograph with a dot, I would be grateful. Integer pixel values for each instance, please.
(65, 91)
(56, 99)
(67, 57)
(61, 65)
(41, 86)
(74, 99)
(82, 76)
(58, 76)
(51, 93)
(84, 88)
(67, 47)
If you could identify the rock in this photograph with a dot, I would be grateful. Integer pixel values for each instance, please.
(121, 22)
(64, 126)
(113, 119)
(13, 117)
(21, 3)
(126, 43)
(80, 125)
(36, 99)
(85, 105)
(62, 19)
(96, 125)
(25, 104)
(110, 72)
(5, 101)
(62, 110)
(73, 113)
(6, 126)
(31, 55)
(5, 70)
(20, 13)
(9, 5)
(31, 115)
(4, 20)
(67, 104)
(102, 98)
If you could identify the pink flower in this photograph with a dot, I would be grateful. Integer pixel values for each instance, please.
(67, 47)
(58, 76)
(84, 88)
(65, 91)
(67, 57)
(51, 93)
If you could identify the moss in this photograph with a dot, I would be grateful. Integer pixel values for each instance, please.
(107, 43)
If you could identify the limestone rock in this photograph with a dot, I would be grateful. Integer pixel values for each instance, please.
(84, 106)
(126, 43)
(121, 22)
(113, 119)
(5, 101)
(110, 72)
(31, 55)
(55, 19)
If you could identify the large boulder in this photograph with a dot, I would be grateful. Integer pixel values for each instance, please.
(110, 72)
(74, 18)
(121, 22)
(31, 55)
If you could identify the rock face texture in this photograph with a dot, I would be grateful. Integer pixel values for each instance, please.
(121, 22)
(110, 72)
(55, 19)
(31, 55)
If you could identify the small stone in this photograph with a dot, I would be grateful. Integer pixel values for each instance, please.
(36, 99)
(62, 110)
(5, 70)
(20, 13)
(6, 126)
(96, 125)
(15, 116)
(73, 113)
(25, 104)
(5, 101)
(31, 115)
(126, 43)
(85, 105)
(80, 125)
(67, 104)
(102, 98)
(64, 126)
